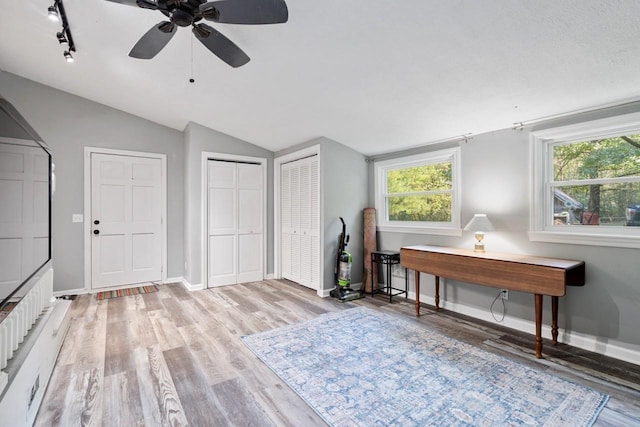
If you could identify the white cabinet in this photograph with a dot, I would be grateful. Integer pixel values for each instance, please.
(235, 217)
(300, 221)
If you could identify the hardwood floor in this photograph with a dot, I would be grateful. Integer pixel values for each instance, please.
(175, 358)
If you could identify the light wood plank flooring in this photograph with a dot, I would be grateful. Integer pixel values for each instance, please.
(175, 358)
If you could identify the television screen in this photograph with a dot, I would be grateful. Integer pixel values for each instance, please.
(25, 205)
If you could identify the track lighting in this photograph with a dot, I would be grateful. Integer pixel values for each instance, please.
(53, 12)
(62, 38)
(68, 56)
(57, 13)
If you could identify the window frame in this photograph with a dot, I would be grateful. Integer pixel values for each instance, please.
(541, 229)
(451, 228)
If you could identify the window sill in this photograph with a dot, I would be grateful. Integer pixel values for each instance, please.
(611, 240)
(420, 230)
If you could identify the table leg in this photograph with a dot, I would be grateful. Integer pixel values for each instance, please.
(554, 319)
(437, 296)
(406, 283)
(538, 305)
(417, 275)
(389, 288)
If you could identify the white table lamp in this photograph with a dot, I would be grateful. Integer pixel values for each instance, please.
(479, 224)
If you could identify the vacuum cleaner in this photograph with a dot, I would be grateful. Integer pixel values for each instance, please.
(343, 291)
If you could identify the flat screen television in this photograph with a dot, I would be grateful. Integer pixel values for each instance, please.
(25, 206)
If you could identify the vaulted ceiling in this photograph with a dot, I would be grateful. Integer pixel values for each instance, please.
(375, 75)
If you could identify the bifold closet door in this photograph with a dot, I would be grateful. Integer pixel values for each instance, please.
(250, 229)
(235, 229)
(300, 217)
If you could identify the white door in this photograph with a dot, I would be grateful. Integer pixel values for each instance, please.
(126, 220)
(249, 222)
(235, 223)
(24, 213)
(222, 223)
(300, 218)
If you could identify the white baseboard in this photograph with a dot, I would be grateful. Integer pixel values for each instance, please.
(173, 280)
(270, 277)
(324, 293)
(575, 339)
(192, 287)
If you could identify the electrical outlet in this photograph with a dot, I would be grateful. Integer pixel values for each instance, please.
(504, 293)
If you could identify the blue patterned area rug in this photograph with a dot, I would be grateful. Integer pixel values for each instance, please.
(360, 367)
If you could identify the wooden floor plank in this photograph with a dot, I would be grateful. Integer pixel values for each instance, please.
(197, 398)
(175, 358)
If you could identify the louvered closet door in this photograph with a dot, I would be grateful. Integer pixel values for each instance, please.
(300, 215)
(285, 220)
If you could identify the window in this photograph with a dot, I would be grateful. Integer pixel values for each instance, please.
(419, 194)
(587, 183)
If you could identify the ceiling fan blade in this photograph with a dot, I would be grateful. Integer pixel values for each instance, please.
(145, 4)
(250, 12)
(153, 41)
(220, 46)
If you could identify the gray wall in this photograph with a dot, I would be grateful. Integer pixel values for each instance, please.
(68, 123)
(199, 139)
(495, 181)
(344, 194)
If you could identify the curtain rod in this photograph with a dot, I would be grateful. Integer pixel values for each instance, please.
(600, 108)
(417, 150)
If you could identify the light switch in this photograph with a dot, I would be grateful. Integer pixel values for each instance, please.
(77, 218)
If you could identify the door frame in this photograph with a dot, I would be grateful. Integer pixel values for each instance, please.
(277, 166)
(204, 198)
(88, 151)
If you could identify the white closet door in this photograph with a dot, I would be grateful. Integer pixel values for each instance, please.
(235, 223)
(24, 213)
(295, 223)
(314, 230)
(285, 220)
(305, 223)
(300, 217)
(250, 229)
(222, 224)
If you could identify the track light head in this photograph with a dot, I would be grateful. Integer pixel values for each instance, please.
(53, 12)
(62, 38)
(68, 56)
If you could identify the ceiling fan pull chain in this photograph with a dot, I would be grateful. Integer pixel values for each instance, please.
(191, 80)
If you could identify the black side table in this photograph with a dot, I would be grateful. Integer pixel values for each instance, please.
(387, 258)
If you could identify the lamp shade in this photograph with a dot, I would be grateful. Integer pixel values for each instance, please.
(479, 222)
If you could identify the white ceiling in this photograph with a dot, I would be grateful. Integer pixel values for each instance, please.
(375, 75)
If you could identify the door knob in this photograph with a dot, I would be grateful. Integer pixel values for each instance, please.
(96, 231)
(96, 222)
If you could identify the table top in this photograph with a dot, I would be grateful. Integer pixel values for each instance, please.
(517, 258)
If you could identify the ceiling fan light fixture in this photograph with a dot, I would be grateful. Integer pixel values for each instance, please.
(68, 57)
(209, 11)
(53, 12)
(201, 32)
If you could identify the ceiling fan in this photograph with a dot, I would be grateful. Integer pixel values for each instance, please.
(184, 13)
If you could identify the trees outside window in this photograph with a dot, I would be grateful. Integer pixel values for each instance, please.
(586, 183)
(419, 193)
